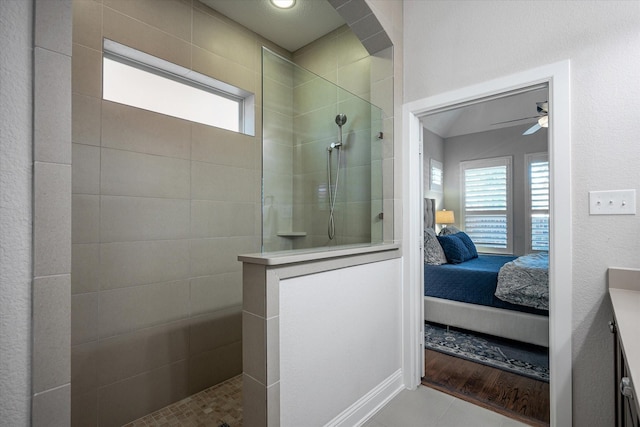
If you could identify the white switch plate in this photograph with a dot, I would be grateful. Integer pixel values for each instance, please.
(614, 202)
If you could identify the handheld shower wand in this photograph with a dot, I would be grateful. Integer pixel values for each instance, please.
(341, 119)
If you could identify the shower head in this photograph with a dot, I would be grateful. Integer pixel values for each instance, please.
(341, 119)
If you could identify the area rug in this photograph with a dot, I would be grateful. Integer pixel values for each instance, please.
(522, 359)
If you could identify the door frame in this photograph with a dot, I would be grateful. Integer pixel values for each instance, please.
(557, 76)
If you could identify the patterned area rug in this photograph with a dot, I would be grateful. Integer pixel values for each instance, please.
(522, 359)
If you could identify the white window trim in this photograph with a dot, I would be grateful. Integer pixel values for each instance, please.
(528, 159)
(557, 75)
(144, 61)
(483, 163)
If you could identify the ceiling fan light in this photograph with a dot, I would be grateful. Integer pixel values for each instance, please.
(283, 4)
(544, 121)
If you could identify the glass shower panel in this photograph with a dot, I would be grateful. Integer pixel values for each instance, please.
(322, 172)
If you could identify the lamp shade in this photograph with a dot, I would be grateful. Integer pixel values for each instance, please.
(445, 217)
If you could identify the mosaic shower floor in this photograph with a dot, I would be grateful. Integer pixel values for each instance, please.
(212, 407)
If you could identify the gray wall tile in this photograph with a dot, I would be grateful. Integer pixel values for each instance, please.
(225, 69)
(146, 349)
(254, 394)
(53, 19)
(84, 368)
(130, 32)
(84, 409)
(215, 366)
(174, 18)
(133, 129)
(222, 147)
(85, 169)
(87, 23)
(218, 329)
(86, 71)
(217, 182)
(128, 309)
(221, 219)
(254, 330)
(52, 408)
(85, 267)
(137, 218)
(134, 397)
(215, 256)
(86, 218)
(137, 263)
(52, 106)
(124, 173)
(51, 332)
(213, 293)
(218, 37)
(86, 118)
(52, 219)
(84, 322)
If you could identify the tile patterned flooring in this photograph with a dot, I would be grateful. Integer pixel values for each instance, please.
(211, 407)
(423, 407)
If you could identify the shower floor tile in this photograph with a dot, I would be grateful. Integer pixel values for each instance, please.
(211, 407)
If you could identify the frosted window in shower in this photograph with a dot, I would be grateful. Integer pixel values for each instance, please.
(133, 78)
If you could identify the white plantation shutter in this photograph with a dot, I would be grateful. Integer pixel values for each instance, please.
(486, 203)
(538, 189)
(436, 176)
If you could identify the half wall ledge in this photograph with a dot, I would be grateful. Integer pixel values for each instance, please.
(362, 268)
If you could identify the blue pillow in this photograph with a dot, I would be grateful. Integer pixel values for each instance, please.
(455, 251)
(468, 243)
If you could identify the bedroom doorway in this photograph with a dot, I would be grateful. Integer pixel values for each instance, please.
(555, 79)
(486, 178)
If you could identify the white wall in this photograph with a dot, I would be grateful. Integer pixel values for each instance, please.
(452, 44)
(15, 210)
(433, 148)
(340, 337)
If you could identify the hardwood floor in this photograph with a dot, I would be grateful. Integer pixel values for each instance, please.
(515, 396)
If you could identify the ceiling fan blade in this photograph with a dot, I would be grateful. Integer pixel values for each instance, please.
(533, 129)
(516, 120)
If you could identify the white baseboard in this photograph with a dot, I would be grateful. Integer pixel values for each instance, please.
(363, 409)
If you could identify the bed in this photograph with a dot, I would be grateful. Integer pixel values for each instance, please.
(472, 294)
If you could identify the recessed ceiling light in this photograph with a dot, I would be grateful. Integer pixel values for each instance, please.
(283, 4)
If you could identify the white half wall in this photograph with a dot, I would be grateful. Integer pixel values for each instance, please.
(340, 338)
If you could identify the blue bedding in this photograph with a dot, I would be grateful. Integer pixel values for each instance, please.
(472, 281)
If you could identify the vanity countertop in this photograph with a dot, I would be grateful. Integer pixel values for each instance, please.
(624, 289)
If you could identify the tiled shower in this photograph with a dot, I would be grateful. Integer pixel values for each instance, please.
(161, 207)
(310, 185)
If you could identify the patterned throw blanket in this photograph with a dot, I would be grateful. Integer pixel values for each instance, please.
(525, 281)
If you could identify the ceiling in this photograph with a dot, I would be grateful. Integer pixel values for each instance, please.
(290, 28)
(483, 116)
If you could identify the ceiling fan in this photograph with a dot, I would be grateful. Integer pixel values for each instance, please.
(543, 118)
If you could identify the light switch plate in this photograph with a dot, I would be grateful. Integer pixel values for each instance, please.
(613, 202)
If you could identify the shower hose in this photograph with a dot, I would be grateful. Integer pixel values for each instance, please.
(331, 229)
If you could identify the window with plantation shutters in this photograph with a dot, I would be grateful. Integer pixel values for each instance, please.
(435, 183)
(486, 203)
(538, 201)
